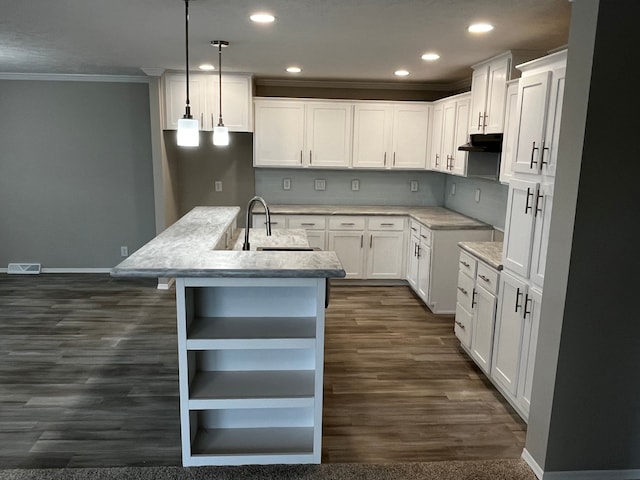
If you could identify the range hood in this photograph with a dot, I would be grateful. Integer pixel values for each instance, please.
(490, 142)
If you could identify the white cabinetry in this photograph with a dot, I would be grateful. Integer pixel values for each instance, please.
(410, 133)
(250, 354)
(450, 127)
(315, 226)
(346, 238)
(296, 133)
(510, 131)
(488, 90)
(373, 124)
(204, 100)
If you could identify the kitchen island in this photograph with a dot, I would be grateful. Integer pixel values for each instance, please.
(250, 338)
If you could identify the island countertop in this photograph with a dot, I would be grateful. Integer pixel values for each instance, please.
(186, 249)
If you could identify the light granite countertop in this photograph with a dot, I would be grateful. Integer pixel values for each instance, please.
(488, 252)
(435, 218)
(279, 238)
(186, 249)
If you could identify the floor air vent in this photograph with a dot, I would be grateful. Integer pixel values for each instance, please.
(24, 268)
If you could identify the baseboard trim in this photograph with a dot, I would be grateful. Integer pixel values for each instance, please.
(593, 475)
(526, 456)
(356, 282)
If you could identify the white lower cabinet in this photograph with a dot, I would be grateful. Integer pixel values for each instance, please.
(250, 356)
(484, 312)
(515, 340)
(349, 246)
(315, 226)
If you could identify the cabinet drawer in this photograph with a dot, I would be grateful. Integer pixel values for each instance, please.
(468, 264)
(463, 324)
(487, 277)
(414, 228)
(386, 223)
(346, 223)
(425, 235)
(277, 221)
(308, 222)
(465, 291)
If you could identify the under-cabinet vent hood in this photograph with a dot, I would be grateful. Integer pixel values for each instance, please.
(490, 142)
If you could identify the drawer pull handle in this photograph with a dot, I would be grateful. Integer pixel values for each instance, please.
(465, 263)
(414, 229)
(484, 278)
(424, 236)
(473, 298)
(308, 224)
(460, 324)
(347, 223)
(464, 292)
(387, 224)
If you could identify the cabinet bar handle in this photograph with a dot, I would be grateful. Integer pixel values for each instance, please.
(385, 159)
(394, 159)
(533, 150)
(484, 123)
(463, 291)
(347, 223)
(418, 255)
(484, 278)
(300, 157)
(361, 240)
(437, 158)
(527, 299)
(473, 298)
(308, 224)
(201, 118)
(464, 263)
(528, 207)
(310, 158)
(542, 162)
(479, 120)
(387, 224)
(212, 121)
(539, 198)
(460, 324)
(415, 249)
(518, 295)
(371, 241)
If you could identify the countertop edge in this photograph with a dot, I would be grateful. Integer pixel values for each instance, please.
(482, 256)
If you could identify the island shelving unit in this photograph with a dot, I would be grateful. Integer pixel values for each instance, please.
(250, 328)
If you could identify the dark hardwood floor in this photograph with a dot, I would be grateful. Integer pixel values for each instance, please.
(88, 377)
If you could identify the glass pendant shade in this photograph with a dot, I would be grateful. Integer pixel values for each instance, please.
(188, 132)
(221, 136)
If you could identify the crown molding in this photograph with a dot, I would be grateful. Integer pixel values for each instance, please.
(371, 85)
(74, 77)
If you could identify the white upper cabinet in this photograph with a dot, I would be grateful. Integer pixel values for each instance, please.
(510, 131)
(204, 100)
(488, 92)
(279, 137)
(390, 135)
(328, 134)
(435, 155)
(450, 130)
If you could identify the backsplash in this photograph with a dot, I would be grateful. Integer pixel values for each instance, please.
(375, 187)
(491, 208)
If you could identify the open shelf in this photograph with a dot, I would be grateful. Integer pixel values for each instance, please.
(252, 389)
(253, 441)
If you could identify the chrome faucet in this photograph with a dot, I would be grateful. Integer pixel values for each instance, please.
(249, 220)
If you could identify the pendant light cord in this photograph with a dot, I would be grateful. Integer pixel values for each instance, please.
(187, 112)
(220, 124)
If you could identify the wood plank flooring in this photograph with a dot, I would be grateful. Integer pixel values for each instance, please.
(88, 378)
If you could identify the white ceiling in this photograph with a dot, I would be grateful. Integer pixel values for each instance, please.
(363, 40)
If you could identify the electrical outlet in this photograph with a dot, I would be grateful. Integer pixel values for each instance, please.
(124, 251)
(453, 189)
(320, 184)
(286, 184)
(218, 186)
(355, 185)
(477, 195)
(414, 185)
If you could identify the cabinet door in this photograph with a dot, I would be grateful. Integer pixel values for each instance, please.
(348, 245)
(424, 271)
(410, 132)
(236, 103)
(549, 155)
(463, 325)
(412, 262)
(328, 134)
(507, 157)
(496, 93)
(317, 239)
(459, 158)
(479, 82)
(543, 207)
(372, 135)
(509, 330)
(518, 230)
(531, 314)
(448, 134)
(175, 98)
(385, 255)
(484, 314)
(435, 157)
(279, 135)
(533, 98)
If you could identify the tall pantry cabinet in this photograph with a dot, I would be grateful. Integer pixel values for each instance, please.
(533, 161)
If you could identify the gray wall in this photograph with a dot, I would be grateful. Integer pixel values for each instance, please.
(75, 172)
(593, 422)
(197, 169)
(376, 188)
(490, 209)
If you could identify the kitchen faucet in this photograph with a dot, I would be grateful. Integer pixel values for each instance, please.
(249, 220)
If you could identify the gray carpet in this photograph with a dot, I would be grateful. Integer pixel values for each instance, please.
(480, 470)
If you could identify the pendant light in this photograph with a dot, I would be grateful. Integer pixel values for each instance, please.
(220, 132)
(188, 127)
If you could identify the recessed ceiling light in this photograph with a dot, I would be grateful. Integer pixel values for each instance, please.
(401, 73)
(430, 56)
(206, 67)
(480, 28)
(294, 69)
(262, 18)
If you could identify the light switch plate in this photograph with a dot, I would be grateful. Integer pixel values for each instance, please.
(286, 184)
(355, 185)
(414, 185)
(477, 194)
(453, 189)
(218, 186)
(320, 184)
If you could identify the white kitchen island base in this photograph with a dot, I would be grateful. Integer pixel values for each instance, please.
(250, 354)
